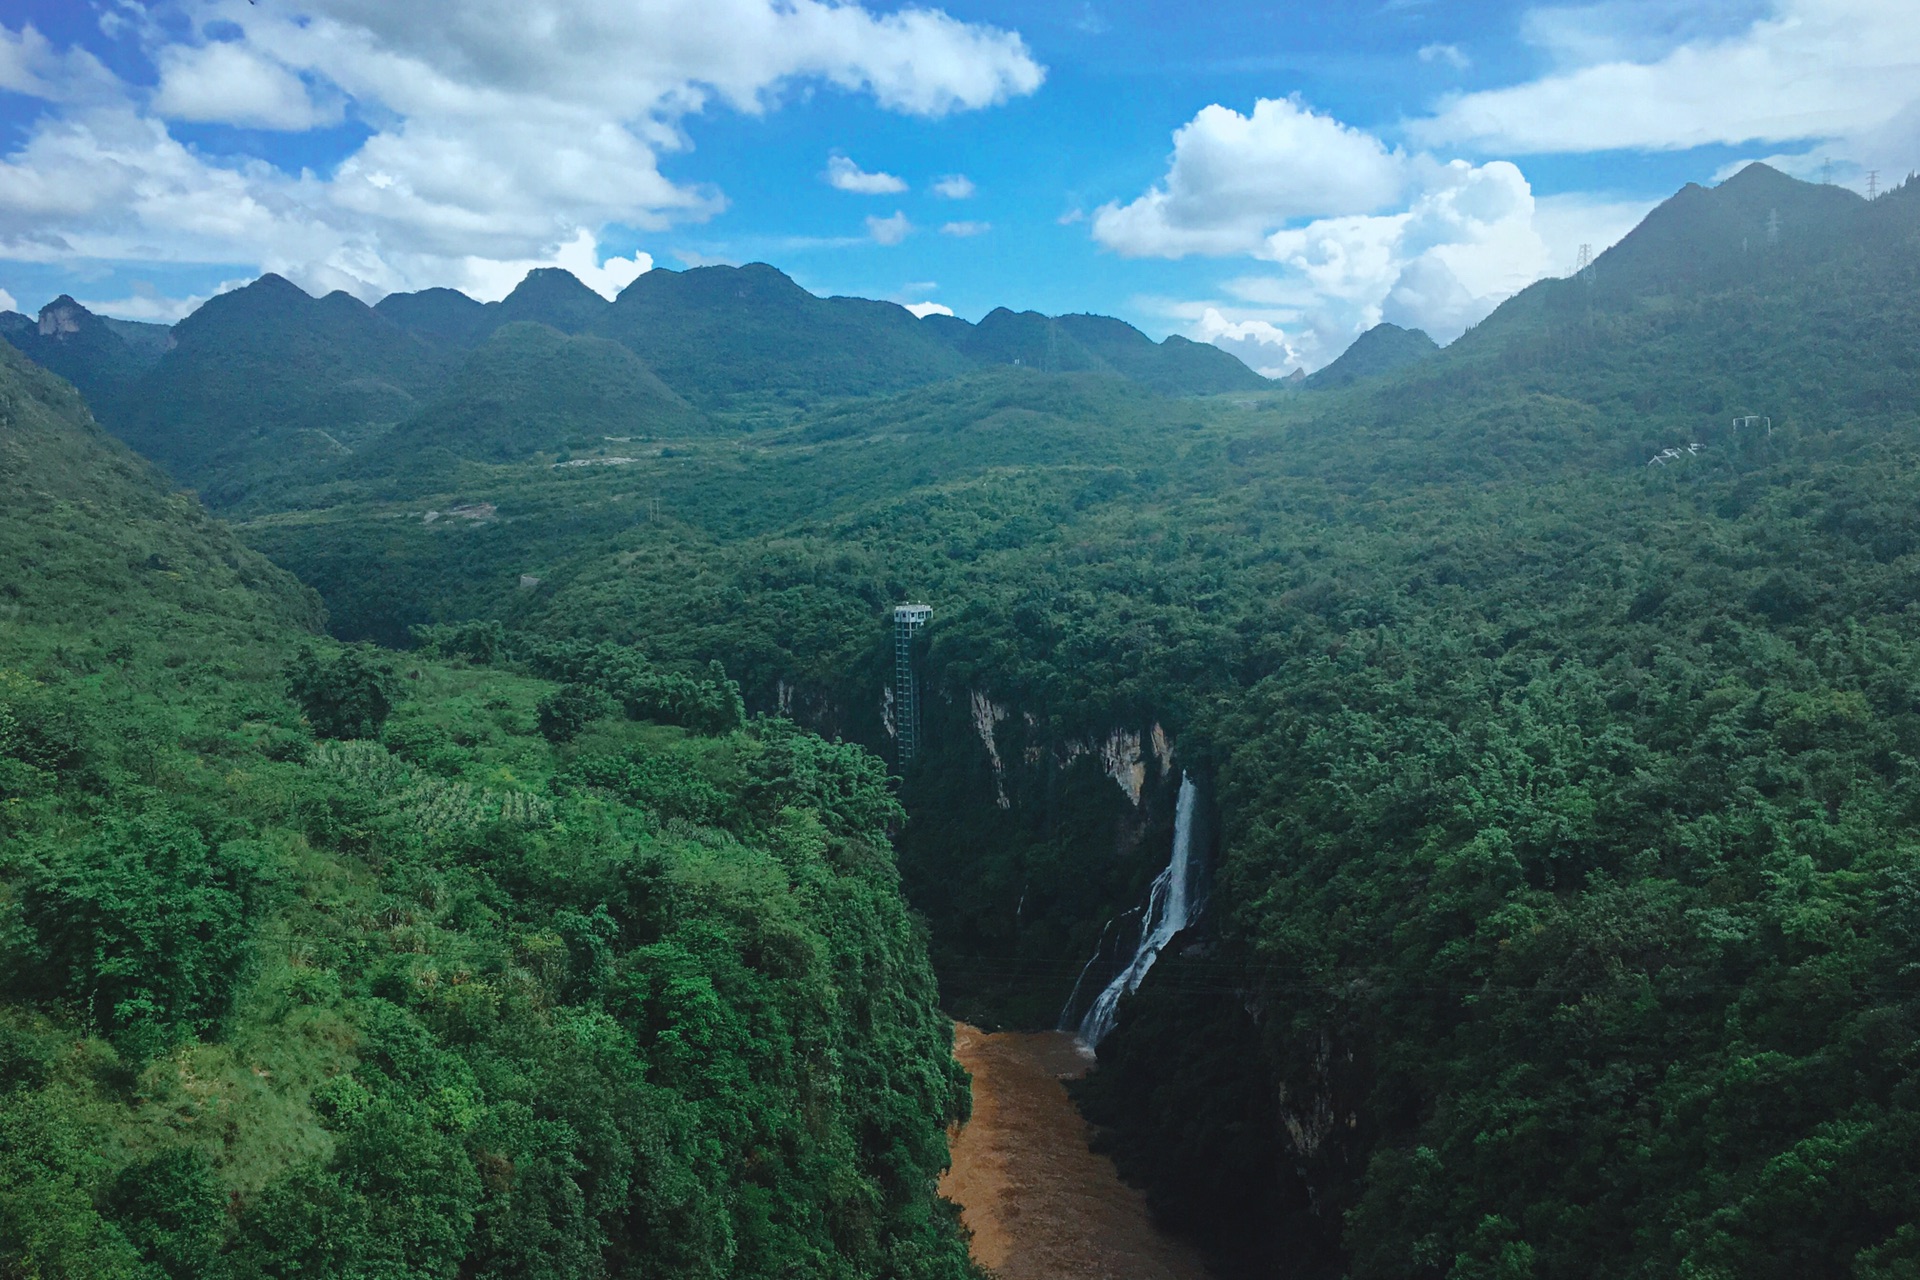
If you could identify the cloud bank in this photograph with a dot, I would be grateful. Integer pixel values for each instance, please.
(500, 133)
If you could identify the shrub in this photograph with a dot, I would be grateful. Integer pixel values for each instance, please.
(140, 926)
(571, 708)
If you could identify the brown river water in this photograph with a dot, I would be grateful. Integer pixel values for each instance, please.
(1041, 1206)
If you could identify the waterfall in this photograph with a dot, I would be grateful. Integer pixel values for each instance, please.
(1170, 906)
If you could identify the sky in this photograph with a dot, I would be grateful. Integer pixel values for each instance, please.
(1275, 178)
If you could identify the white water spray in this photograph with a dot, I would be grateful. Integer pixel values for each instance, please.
(1170, 906)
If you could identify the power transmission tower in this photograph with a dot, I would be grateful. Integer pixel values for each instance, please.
(1826, 172)
(1584, 260)
(1873, 184)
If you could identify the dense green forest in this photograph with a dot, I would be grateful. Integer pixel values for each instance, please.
(1556, 698)
(327, 961)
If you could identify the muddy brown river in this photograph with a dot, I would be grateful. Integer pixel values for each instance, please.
(1040, 1205)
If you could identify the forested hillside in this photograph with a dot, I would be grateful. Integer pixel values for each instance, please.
(1554, 699)
(320, 961)
(265, 392)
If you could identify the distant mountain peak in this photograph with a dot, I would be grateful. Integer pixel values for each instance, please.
(64, 317)
(1380, 350)
(270, 283)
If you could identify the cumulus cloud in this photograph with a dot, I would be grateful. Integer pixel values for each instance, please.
(1351, 232)
(490, 280)
(1260, 344)
(955, 186)
(890, 230)
(30, 65)
(502, 130)
(921, 310)
(230, 84)
(1447, 53)
(965, 229)
(1232, 179)
(1807, 69)
(843, 174)
(1355, 232)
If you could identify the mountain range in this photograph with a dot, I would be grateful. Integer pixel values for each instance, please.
(1549, 703)
(265, 378)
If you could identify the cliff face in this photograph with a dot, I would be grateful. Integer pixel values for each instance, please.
(1030, 848)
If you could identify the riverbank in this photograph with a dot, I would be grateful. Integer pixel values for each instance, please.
(1041, 1206)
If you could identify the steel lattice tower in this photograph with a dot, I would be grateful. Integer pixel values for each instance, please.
(907, 621)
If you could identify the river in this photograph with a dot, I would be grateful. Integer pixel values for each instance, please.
(1040, 1205)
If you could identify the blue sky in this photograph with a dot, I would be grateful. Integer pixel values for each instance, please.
(1275, 178)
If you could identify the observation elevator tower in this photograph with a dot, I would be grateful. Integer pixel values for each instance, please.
(907, 621)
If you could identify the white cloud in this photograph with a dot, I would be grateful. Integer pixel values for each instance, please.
(889, 230)
(1565, 222)
(955, 186)
(1353, 233)
(1808, 69)
(489, 280)
(503, 130)
(230, 84)
(921, 310)
(8, 304)
(845, 175)
(1465, 244)
(964, 229)
(30, 65)
(148, 304)
(1233, 179)
(1260, 344)
(1448, 53)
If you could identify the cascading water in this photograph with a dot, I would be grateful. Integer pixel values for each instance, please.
(1170, 907)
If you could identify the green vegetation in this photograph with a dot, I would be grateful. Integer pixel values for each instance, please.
(530, 390)
(1564, 870)
(319, 962)
(1379, 351)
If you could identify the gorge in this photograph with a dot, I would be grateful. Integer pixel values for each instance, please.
(429, 851)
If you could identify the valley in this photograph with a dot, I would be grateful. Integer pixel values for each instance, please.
(504, 693)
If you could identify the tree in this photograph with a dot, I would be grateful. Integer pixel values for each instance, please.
(348, 697)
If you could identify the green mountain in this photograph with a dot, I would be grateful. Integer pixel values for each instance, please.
(486, 959)
(1087, 343)
(555, 298)
(749, 338)
(530, 389)
(96, 543)
(146, 340)
(548, 295)
(1549, 704)
(1554, 799)
(1379, 351)
(269, 377)
(1031, 340)
(1176, 366)
(80, 347)
(438, 315)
